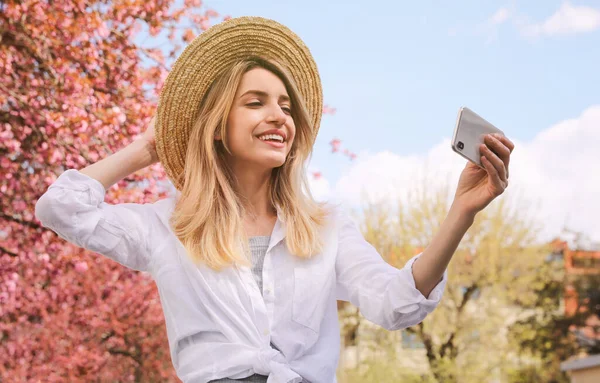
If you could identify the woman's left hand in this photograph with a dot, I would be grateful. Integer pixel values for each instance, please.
(478, 187)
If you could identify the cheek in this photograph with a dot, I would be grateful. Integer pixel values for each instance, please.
(292, 128)
(238, 142)
(238, 133)
(292, 135)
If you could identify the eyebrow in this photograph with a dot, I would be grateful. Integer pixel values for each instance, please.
(265, 94)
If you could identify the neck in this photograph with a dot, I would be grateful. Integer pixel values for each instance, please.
(254, 187)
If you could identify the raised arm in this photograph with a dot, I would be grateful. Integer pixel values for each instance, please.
(137, 155)
(74, 207)
(385, 295)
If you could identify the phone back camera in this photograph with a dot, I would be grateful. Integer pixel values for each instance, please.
(460, 145)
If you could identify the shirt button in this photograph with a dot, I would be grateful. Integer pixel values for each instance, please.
(266, 332)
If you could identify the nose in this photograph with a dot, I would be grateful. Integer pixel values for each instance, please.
(277, 116)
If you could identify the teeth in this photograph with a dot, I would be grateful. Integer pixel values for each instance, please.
(271, 137)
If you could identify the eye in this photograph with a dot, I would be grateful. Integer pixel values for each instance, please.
(286, 109)
(256, 103)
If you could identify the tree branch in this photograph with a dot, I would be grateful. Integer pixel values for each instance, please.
(8, 252)
(33, 225)
(467, 296)
(117, 351)
(448, 346)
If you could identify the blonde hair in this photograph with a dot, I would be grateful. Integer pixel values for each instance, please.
(208, 215)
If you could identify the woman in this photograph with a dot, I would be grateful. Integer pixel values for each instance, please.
(248, 266)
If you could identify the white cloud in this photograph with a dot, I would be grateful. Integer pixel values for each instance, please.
(388, 176)
(567, 20)
(319, 187)
(559, 169)
(563, 169)
(492, 25)
(452, 31)
(500, 16)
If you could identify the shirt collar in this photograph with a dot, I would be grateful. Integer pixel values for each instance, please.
(278, 230)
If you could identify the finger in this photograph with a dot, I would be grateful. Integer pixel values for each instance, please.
(498, 147)
(493, 175)
(495, 161)
(501, 146)
(508, 143)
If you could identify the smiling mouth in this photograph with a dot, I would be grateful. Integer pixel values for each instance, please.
(272, 138)
(274, 144)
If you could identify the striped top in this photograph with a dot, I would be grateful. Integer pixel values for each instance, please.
(258, 248)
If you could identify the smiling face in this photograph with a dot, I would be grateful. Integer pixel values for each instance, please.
(260, 129)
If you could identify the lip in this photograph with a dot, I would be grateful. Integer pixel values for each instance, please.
(278, 145)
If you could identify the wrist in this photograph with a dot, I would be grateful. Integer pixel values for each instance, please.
(461, 213)
(143, 153)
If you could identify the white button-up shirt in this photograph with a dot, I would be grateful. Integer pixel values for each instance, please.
(218, 323)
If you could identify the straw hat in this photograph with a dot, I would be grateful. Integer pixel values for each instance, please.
(205, 58)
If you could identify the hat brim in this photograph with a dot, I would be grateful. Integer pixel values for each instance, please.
(205, 58)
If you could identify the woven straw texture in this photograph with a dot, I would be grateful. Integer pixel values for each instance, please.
(207, 56)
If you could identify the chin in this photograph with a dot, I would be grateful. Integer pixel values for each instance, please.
(276, 164)
(273, 163)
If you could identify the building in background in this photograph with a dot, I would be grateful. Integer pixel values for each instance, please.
(582, 258)
(583, 370)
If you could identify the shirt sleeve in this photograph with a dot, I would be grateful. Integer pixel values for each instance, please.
(385, 295)
(74, 208)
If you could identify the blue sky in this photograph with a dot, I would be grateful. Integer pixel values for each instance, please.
(397, 73)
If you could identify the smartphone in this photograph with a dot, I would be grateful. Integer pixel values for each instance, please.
(468, 134)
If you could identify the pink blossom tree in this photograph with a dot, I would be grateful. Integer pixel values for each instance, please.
(75, 88)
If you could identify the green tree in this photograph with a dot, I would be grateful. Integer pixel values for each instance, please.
(466, 338)
(552, 333)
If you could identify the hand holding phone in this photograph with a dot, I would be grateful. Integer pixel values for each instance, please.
(479, 185)
(469, 134)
